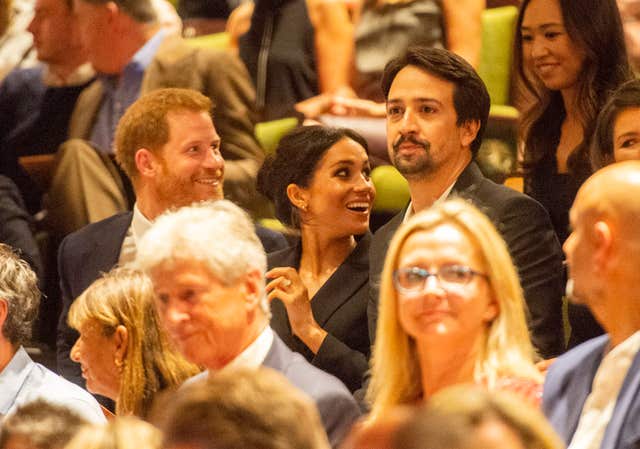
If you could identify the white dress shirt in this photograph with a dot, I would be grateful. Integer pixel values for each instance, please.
(598, 408)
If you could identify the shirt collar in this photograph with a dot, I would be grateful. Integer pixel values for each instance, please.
(139, 224)
(253, 356)
(13, 377)
(80, 75)
(410, 212)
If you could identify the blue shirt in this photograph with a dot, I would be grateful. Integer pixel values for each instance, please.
(120, 91)
(23, 381)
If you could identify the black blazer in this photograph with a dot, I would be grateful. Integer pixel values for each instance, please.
(340, 308)
(95, 249)
(526, 228)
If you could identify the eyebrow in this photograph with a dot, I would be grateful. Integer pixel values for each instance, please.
(415, 100)
(544, 26)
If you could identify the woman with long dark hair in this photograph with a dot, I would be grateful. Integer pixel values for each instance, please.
(569, 55)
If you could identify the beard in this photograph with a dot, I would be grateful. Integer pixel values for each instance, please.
(175, 191)
(415, 166)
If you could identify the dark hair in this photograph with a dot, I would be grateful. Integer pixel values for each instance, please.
(626, 96)
(595, 26)
(295, 162)
(140, 10)
(470, 96)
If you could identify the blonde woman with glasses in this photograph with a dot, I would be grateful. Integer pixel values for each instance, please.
(451, 312)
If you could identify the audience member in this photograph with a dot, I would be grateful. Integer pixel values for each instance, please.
(36, 103)
(294, 50)
(123, 432)
(123, 352)
(570, 54)
(22, 380)
(489, 420)
(241, 408)
(319, 181)
(590, 393)
(386, 28)
(466, 326)
(617, 134)
(134, 56)
(207, 267)
(167, 145)
(39, 425)
(437, 109)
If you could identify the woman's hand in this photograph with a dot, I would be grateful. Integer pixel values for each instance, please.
(286, 285)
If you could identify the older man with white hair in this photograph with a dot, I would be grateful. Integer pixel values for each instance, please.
(208, 269)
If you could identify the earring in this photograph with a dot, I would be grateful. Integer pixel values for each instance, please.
(119, 364)
(304, 207)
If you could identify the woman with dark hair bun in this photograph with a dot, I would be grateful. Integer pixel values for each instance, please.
(320, 185)
(569, 55)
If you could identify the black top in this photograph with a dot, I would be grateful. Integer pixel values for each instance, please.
(340, 308)
(279, 53)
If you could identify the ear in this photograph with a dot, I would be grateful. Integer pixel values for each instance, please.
(113, 10)
(602, 245)
(468, 132)
(253, 289)
(298, 196)
(146, 163)
(121, 339)
(492, 310)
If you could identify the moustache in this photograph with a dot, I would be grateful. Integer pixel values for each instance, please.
(411, 139)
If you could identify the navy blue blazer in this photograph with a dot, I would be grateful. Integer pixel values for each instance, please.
(532, 242)
(340, 308)
(568, 383)
(95, 249)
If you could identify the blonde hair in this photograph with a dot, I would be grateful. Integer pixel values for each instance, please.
(507, 348)
(123, 432)
(124, 297)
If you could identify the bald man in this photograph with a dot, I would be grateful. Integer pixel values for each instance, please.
(591, 393)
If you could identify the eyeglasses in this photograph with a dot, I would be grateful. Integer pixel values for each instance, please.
(412, 280)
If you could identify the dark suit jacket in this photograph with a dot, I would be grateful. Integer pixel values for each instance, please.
(534, 248)
(340, 308)
(95, 249)
(568, 383)
(338, 410)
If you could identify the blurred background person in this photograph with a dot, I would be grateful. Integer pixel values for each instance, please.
(617, 134)
(319, 181)
(123, 352)
(122, 432)
(569, 56)
(240, 408)
(39, 425)
(451, 312)
(22, 379)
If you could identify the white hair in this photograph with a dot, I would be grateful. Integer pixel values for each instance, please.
(217, 233)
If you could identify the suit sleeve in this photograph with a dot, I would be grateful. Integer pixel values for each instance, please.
(345, 363)
(232, 92)
(537, 254)
(66, 336)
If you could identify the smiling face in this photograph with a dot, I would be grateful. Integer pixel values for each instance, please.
(96, 354)
(547, 49)
(461, 312)
(423, 136)
(189, 167)
(207, 320)
(340, 194)
(626, 135)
